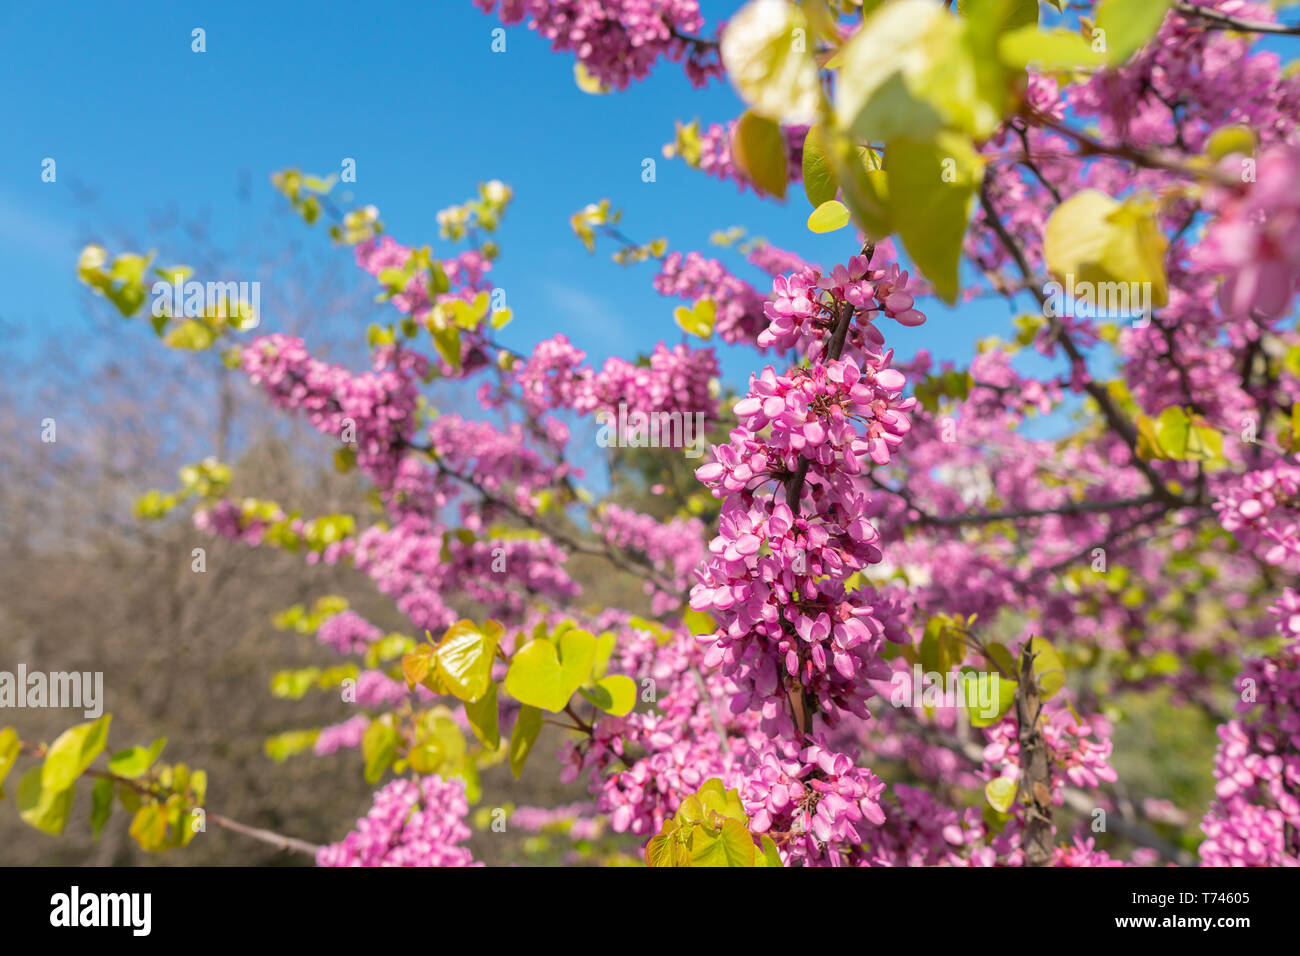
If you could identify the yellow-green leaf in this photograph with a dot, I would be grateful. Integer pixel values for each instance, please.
(464, 657)
(586, 82)
(135, 761)
(615, 694)
(732, 846)
(1001, 793)
(74, 750)
(1048, 668)
(101, 805)
(819, 180)
(483, 718)
(149, 827)
(931, 191)
(828, 217)
(546, 675)
(768, 856)
(758, 148)
(191, 335)
(1177, 435)
(1228, 140)
(42, 807)
(765, 48)
(1128, 25)
(1047, 49)
(527, 726)
(10, 746)
(698, 319)
(379, 747)
(447, 341)
(1092, 238)
(909, 72)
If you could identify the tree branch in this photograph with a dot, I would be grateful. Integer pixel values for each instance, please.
(1225, 21)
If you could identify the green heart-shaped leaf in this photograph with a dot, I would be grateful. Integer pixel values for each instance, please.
(546, 675)
(698, 319)
(732, 846)
(464, 658)
(74, 750)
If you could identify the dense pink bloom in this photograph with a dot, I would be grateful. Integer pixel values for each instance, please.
(407, 827)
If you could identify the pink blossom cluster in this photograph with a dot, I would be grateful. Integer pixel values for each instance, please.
(1255, 241)
(676, 545)
(1078, 750)
(1261, 509)
(347, 632)
(1255, 818)
(774, 580)
(407, 826)
(739, 317)
(376, 690)
(575, 819)
(1287, 610)
(465, 273)
(618, 41)
(820, 804)
(496, 458)
(806, 305)
(775, 261)
(226, 519)
(344, 736)
(423, 568)
(374, 411)
(921, 831)
(642, 765)
(675, 379)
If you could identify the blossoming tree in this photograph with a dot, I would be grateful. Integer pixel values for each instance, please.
(878, 539)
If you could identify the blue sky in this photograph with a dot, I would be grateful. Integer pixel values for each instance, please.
(415, 94)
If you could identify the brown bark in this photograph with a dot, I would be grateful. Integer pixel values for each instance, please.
(1035, 774)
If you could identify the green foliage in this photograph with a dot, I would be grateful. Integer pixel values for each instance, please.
(483, 717)
(1001, 793)
(101, 806)
(72, 752)
(820, 183)
(765, 50)
(134, 762)
(758, 148)
(45, 808)
(828, 217)
(379, 747)
(1094, 238)
(298, 618)
(527, 726)
(546, 674)
(932, 187)
(464, 658)
(1048, 50)
(698, 319)
(1128, 25)
(288, 744)
(1178, 435)
(710, 828)
(615, 694)
(1048, 668)
(934, 388)
(10, 746)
